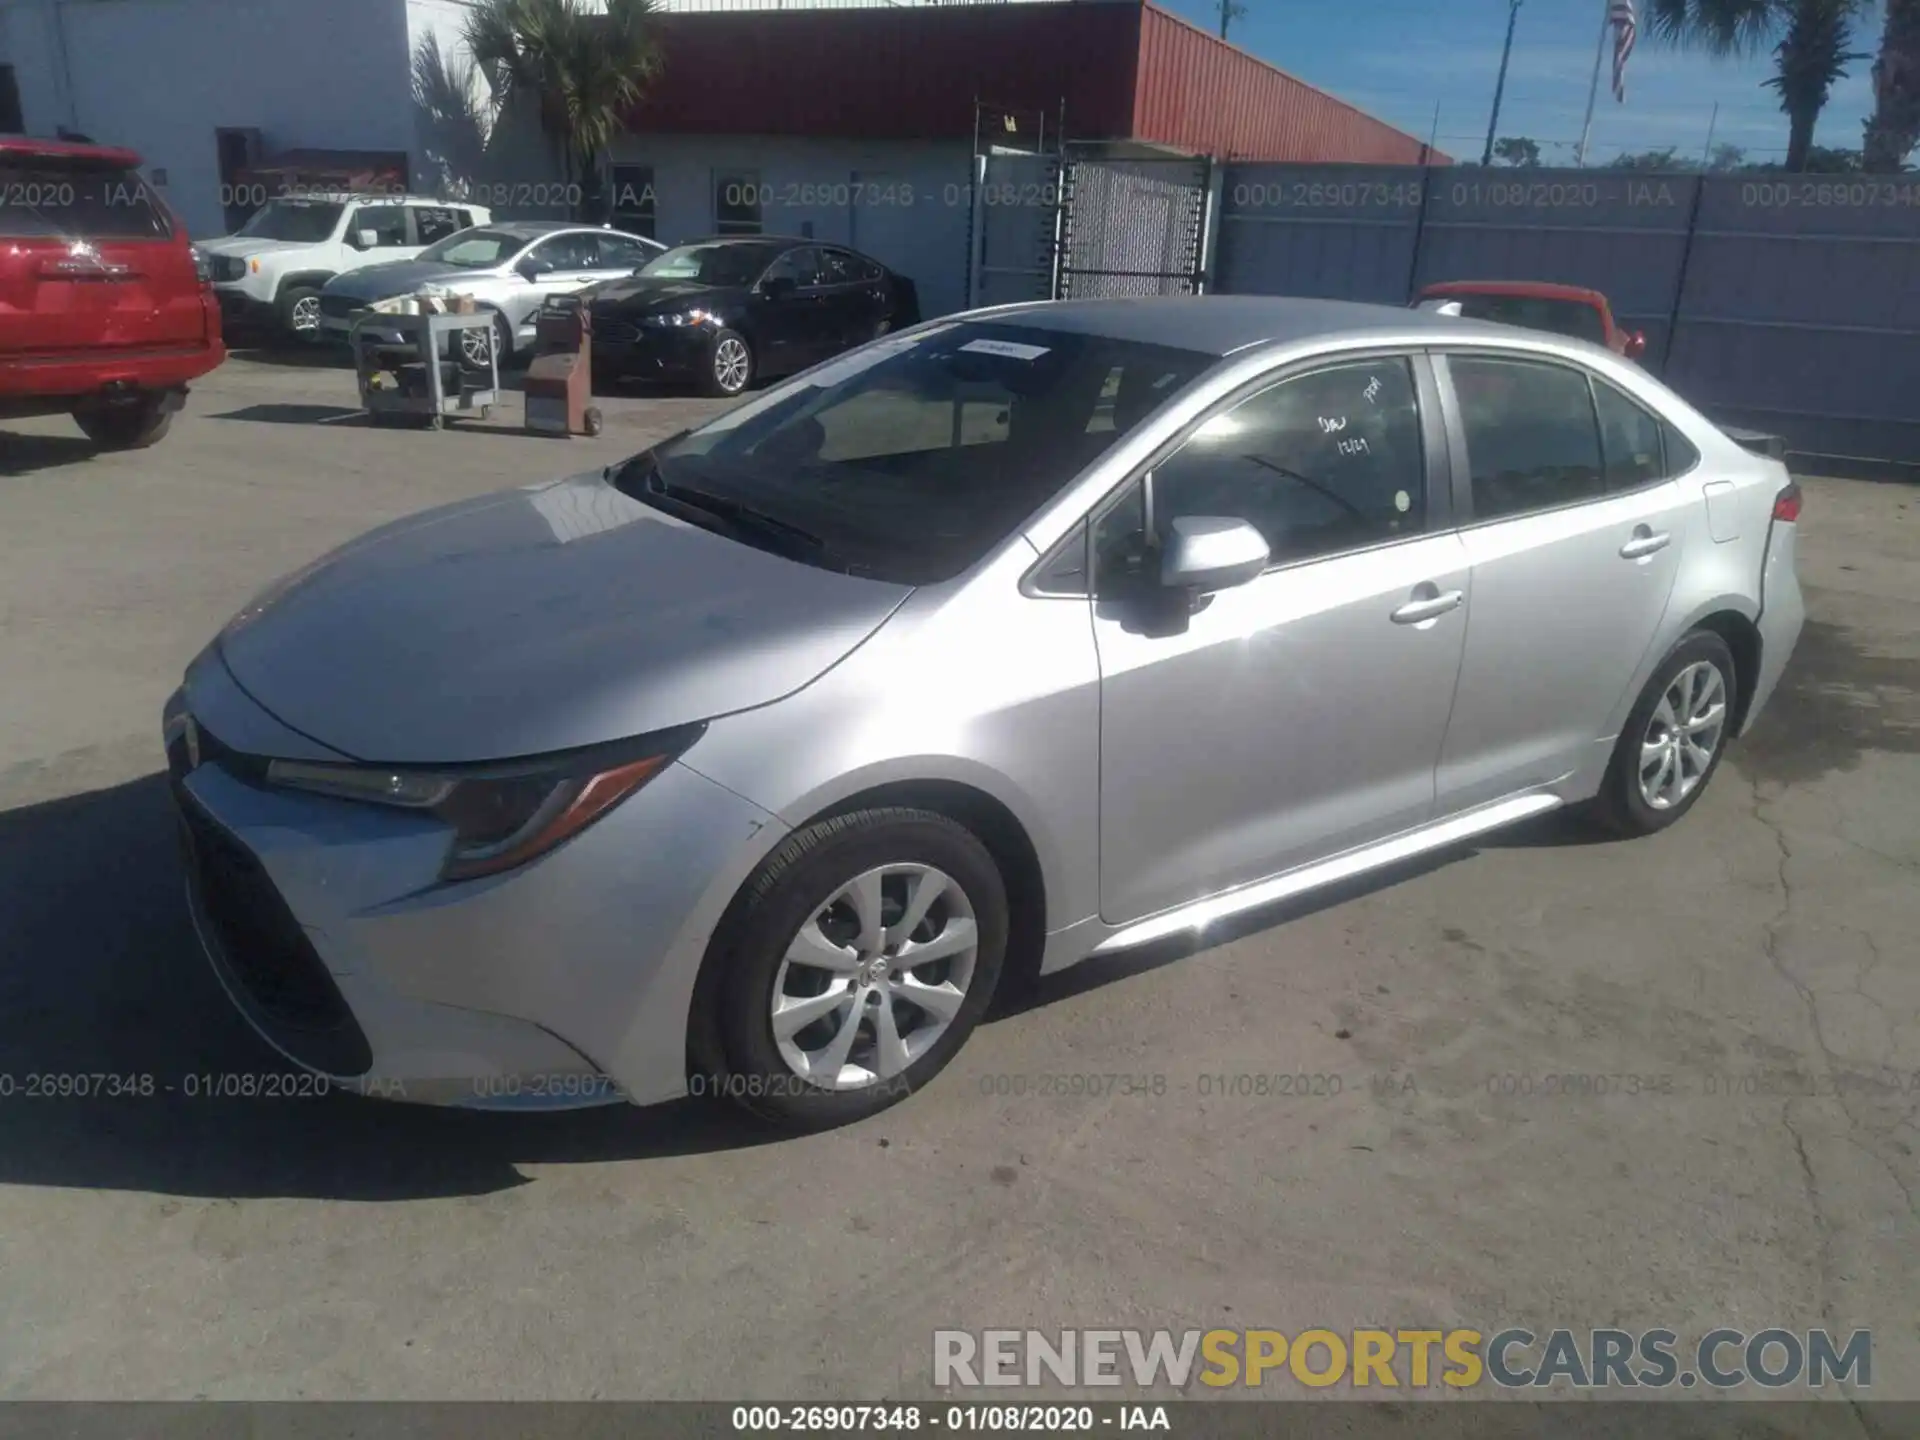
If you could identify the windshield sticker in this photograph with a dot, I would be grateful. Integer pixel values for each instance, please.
(1005, 347)
(1332, 427)
(1373, 387)
(1402, 501)
(866, 357)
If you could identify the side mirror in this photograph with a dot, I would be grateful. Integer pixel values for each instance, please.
(1205, 553)
(775, 287)
(365, 239)
(1636, 345)
(530, 269)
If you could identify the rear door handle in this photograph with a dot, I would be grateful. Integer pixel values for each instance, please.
(1645, 543)
(1415, 612)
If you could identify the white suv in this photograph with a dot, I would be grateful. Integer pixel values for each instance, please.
(269, 272)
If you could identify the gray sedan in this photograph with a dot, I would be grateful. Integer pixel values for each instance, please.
(510, 269)
(759, 763)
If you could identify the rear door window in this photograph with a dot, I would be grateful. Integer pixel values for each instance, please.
(65, 200)
(1631, 440)
(1533, 442)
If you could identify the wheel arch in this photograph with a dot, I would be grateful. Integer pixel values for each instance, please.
(301, 280)
(1743, 639)
(987, 816)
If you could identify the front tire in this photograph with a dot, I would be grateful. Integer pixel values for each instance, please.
(300, 314)
(1673, 740)
(867, 950)
(126, 427)
(729, 365)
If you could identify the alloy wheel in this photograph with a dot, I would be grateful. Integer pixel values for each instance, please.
(303, 317)
(730, 364)
(1683, 734)
(874, 977)
(476, 346)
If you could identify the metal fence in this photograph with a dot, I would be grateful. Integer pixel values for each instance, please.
(1785, 303)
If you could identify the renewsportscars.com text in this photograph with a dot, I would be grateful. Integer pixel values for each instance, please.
(1512, 1358)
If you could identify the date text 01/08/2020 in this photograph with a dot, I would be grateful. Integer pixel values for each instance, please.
(963, 1418)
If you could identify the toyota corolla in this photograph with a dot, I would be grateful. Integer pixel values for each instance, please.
(769, 755)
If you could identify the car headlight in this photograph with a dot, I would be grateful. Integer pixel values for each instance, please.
(502, 816)
(202, 266)
(679, 319)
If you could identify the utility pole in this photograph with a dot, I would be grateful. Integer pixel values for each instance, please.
(1500, 85)
(1229, 11)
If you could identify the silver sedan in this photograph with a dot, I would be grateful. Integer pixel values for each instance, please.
(510, 269)
(759, 763)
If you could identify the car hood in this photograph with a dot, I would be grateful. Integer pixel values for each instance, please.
(641, 295)
(241, 246)
(538, 620)
(397, 277)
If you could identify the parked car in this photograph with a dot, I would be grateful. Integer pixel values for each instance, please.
(1534, 305)
(756, 763)
(725, 311)
(101, 314)
(270, 272)
(510, 269)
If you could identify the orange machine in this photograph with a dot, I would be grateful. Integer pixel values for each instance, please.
(560, 379)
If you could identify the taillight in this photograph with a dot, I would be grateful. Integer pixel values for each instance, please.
(1786, 505)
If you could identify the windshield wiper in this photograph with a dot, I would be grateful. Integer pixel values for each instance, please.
(640, 477)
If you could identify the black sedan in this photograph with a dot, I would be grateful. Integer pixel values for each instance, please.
(727, 311)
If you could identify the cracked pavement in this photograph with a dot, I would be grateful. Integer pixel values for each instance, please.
(1745, 987)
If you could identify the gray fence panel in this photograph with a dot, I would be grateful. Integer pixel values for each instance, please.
(1801, 313)
(1019, 201)
(1133, 227)
(1334, 232)
(1624, 235)
(1797, 299)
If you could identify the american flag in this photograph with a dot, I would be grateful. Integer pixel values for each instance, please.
(1625, 31)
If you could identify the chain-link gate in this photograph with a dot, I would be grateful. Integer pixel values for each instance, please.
(1132, 226)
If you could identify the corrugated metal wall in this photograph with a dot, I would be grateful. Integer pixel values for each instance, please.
(1200, 93)
(1125, 71)
(1790, 304)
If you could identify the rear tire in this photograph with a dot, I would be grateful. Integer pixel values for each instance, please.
(1673, 740)
(126, 427)
(875, 1026)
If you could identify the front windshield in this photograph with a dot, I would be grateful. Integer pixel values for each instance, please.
(715, 263)
(909, 459)
(475, 249)
(1534, 312)
(303, 220)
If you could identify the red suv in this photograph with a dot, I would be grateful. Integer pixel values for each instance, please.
(1537, 305)
(103, 315)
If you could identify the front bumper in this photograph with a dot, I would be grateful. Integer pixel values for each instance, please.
(649, 353)
(564, 983)
(241, 311)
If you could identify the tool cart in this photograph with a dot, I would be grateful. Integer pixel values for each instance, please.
(424, 375)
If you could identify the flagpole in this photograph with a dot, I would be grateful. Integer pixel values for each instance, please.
(1593, 90)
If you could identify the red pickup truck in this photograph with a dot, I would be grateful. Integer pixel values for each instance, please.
(103, 315)
(1537, 305)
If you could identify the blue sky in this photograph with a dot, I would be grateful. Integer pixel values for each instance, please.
(1397, 58)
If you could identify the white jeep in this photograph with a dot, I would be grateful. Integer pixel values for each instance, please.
(269, 272)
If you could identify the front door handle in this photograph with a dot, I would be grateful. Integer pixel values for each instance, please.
(1644, 543)
(1432, 607)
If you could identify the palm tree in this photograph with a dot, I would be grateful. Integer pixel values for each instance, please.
(577, 69)
(1894, 127)
(1812, 48)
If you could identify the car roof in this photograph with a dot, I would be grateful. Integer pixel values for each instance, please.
(1223, 324)
(1528, 289)
(34, 147)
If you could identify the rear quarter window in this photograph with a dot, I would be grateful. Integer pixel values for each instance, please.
(59, 199)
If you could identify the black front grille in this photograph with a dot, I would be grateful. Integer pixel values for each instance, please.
(265, 952)
(617, 331)
(340, 307)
